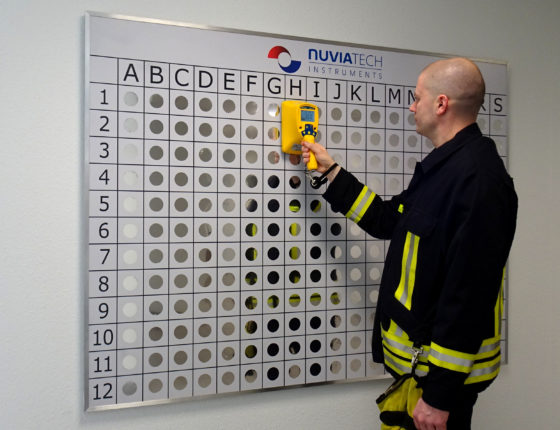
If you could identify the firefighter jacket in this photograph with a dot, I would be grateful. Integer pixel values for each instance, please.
(442, 286)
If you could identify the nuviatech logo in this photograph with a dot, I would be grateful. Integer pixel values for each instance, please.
(284, 59)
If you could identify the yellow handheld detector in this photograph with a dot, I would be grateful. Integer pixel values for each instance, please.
(300, 121)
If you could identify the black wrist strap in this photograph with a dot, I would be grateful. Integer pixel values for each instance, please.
(317, 181)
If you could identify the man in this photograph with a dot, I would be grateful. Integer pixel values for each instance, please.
(451, 232)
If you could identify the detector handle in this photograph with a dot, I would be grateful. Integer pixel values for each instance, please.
(312, 164)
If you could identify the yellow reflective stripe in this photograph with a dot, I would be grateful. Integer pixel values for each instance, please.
(401, 208)
(490, 347)
(401, 366)
(484, 371)
(450, 359)
(361, 204)
(408, 270)
(499, 308)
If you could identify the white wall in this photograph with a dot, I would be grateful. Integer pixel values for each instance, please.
(41, 225)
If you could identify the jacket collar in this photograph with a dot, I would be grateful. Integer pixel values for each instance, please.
(447, 149)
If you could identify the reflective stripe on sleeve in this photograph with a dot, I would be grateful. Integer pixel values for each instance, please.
(361, 205)
(408, 270)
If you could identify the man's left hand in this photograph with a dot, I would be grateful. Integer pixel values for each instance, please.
(429, 418)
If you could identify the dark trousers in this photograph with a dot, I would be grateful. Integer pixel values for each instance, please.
(460, 417)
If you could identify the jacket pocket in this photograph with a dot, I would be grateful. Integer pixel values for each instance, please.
(418, 226)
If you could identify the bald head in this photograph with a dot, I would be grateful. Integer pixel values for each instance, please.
(460, 80)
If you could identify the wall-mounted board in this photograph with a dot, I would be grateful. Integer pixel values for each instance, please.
(213, 266)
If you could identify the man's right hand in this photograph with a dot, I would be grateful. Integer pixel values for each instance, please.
(324, 160)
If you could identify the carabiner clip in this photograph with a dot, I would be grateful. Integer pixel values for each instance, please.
(317, 181)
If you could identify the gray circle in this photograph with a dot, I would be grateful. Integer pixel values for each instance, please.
(156, 126)
(181, 204)
(356, 115)
(336, 114)
(228, 229)
(251, 181)
(181, 281)
(251, 156)
(229, 131)
(156, 230)
(181, 153)
(181, 255)
(251, 107)
(205, 104)
(375, 116)
(155, 333)
(394, 118)
(156, 178)
(205, 129)
(204, 280)
(228, 280)
(180, 383)
(228, 180)
(273, 157)
(205, 205)
(181, 128)
(156, 308)
(229, 106)
(156, 256)
(336, 137)
(394, 140)
(180, 306)
(205, 229)
(205, 154)
(129, 388)
(130, 98)
(156, 204)
(181, 230)
(228, 254)
(155, 359)
(155, 282)
(180, 332)
(204, 305)
(156, 152)
(180, 357)
(252, 132)
(181, 102)
(228, 205)
(205, 179)
(181, 179)
(228, 155)
(205, 255)
(156, 101)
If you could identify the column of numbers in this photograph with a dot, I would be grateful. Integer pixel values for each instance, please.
(103, 212)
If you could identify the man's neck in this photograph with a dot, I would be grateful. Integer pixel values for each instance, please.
(448, 131)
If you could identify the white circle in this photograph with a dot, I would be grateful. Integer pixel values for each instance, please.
(130, 177)
(129, 335)
(355, 252)
(129, 362)
(129, 309)
(130, 204)
(130, 231)
(373, 295)
(355, 297)
(130, 256)
(130, 125)
(355, 229)
(284, 59)
(355, 274)
(130, 152)
(374, 250)
(130, 283)
(355, 161)
(375, 273)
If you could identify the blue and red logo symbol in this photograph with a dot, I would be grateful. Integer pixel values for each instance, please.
(284, 59)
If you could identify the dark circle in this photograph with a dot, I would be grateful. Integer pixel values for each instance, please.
(294, 276)
(294, 347)
(315, 275)
(251, 254)
(273, 253)
(273, 229)
(272, 373)
(273, 181)
(273, 277)
(334, 275)
(273, 349)
(251, 205)
(315, 229)
(336, 229)
(315, 369)
(315, 323)
(273, 205)
(251, 278)
(294, 324)
(295, 182)
(315, 252)
(315, 346)
(273, 325)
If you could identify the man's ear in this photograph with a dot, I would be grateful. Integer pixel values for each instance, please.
(442, 104)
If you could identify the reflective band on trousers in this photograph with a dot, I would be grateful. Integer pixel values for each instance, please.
(361, 205)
